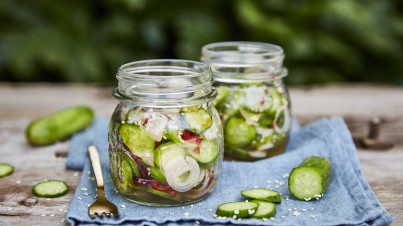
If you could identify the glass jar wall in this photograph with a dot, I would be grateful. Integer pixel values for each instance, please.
(165, 135)
(252, 101)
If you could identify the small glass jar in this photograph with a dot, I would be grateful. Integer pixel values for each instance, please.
(165, 136)
(252, 100)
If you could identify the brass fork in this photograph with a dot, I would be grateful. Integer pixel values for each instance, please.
(101, 205)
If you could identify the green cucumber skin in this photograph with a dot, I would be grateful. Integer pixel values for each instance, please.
(238, 133)
(275, 197)
(242, 212)
(59, 125)
(237, 152)
(260, 214)
(7, 168)
(162, 194)
(37, 193)
(320, 165)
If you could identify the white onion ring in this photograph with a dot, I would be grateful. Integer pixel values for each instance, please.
(287, 120)
(178, 166)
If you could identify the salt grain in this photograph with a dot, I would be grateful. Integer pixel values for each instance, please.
(186, 214)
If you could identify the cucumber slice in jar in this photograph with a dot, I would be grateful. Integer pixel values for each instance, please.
(140, 143)
(238, 133)
(158, 174)
(198, 119)
(238, 153)
(206, 153)
(172, 195)
(310, 179)
(126, 172)
(167, 152)
(265, 209)
(237, 209)
(222, 94)
(6, 169)
(263, 194)
(50, 189)
(276, 101)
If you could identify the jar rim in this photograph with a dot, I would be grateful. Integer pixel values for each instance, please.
(158, 68)
(247, 52)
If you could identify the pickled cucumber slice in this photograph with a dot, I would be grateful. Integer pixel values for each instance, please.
(167, 152)
(172, 195)
(127, 170)
(198, 120)
(138, 141)
(238, 133)
(276, 101)
(223, 92)
(158, 174)
(206, 153)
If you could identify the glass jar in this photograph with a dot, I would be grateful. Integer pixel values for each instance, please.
(165, 136)
(252, 101)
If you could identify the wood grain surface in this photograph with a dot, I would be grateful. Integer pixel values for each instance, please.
(21, 103)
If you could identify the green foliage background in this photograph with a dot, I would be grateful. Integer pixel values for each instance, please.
(86, 41)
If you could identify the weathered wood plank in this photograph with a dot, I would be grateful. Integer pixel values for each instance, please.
(21, 103)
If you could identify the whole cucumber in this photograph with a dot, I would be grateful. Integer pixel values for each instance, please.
(310, 179)
(59, 125)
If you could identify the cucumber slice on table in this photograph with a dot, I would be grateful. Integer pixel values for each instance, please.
(167, 152)
(238, 209)
(59, 125)
(263, 194)
(198, 119)
(310, 179)
(206, 153)
(50, 189)
(6, 169)
(138, 141)
(238, 133)
(265, 209)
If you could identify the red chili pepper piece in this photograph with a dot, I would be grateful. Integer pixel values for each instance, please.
(191, 137)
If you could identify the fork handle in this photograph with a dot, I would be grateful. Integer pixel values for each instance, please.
(96, 165)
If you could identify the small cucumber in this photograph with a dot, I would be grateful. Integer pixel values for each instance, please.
(166, 152)
(263, 194)
(50, 189)
(206, 153)
(6, 169)
(238, 133)
(58, 126)
(198, 119)
(238, 209)
(265, 209)
(138, 141)
(310, 179)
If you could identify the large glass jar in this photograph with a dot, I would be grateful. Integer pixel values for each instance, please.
(252, 100)
(165, 136)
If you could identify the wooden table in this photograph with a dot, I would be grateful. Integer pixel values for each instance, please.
(20, 103)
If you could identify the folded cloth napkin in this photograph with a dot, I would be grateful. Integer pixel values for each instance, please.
(348, 200)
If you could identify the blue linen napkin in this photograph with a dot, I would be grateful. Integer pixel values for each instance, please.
(348, 200)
